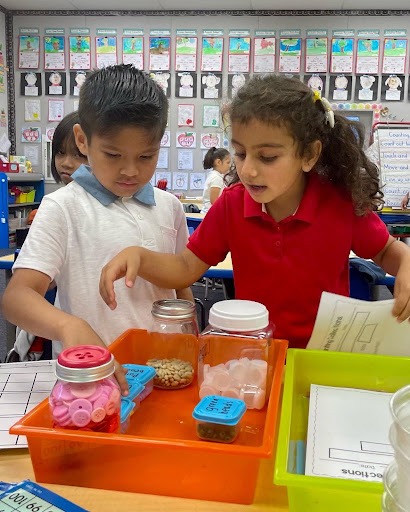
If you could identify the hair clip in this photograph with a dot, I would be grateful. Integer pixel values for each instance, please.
(316, 96)
(329, 115)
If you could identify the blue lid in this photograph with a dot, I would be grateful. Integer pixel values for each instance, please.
(127, 406)
(219, 409)
(139, 372)
(135, 389)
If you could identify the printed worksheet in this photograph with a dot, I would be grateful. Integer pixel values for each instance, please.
(348, 433)
(22, 387)
(344, 324)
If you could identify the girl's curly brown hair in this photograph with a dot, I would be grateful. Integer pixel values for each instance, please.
(280, 101)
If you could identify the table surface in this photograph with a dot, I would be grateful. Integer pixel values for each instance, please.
(15, 465)
(198, 216)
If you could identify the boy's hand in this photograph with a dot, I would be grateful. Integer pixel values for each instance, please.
(401, 308)
(79, 332)
(125, 264)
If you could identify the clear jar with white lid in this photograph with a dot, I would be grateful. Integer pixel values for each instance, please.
(174, 339)
(235, 358)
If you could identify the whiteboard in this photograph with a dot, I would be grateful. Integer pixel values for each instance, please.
(394, 151)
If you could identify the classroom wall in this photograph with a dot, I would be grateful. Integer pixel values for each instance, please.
(3, 77)
(399, 109)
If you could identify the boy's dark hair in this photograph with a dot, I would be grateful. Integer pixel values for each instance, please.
(118, 96)
(287, 102)
(214, 154)
(63, 140)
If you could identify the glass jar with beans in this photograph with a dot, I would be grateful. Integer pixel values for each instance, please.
(174, 334)
(86, 395)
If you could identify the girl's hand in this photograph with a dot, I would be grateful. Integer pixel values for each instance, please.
(79, 332)
(401, 308)
(405, 201)
(125, 264)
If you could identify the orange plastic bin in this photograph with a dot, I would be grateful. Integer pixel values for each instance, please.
(161, 453)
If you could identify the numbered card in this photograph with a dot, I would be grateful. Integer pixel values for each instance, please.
(80, 52)
(133, 51)
(29, 52)
(186, 115)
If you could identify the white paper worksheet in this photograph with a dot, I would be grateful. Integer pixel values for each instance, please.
(348, 433)
(344, 324)
(22, 387)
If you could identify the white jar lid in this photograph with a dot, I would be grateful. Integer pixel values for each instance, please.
(239, 315)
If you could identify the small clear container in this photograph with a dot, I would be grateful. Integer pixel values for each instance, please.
(400, 410)
(239, 367)
(127, 409)
(86, 395)
(142, 374)
(397, 480)
(218, 418)
(392, 501)
(174, 347)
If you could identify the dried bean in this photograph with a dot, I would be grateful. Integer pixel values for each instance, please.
(172, 373)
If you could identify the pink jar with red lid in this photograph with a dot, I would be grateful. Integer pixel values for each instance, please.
(86, 395)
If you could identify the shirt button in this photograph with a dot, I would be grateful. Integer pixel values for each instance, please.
(277, 244)
(140, 217)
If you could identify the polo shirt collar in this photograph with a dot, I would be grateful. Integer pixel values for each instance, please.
(86, 179)
(307, 206)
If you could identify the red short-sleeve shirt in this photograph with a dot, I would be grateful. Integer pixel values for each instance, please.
(287, 265)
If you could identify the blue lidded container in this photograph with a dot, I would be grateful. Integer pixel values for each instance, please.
(218, 418)
(127, 408)
(142, 374)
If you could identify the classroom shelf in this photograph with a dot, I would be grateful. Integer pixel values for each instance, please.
(17, 205)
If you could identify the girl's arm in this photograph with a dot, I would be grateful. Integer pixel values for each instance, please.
(23, 304)
(215, 193)
(394, 259)
(173, 271)
(186, 294)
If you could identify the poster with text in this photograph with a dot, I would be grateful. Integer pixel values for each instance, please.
(239, 54)
(80, 52)
(185, 53)
(55, 110)
(367, 57)
(186, 114)
(342, 55)
(289, 55)
(54, 52)
(133, 51)
(211, 116)
(159, 53)
(105, 51)
(394, 56)
(264, 54)
(29, 52)
(185, 160)
(212, 53)
(316, 57)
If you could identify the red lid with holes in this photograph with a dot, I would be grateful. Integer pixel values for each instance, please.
(84, 356)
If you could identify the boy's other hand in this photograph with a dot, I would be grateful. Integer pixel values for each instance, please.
(125, 264)
(79, 332)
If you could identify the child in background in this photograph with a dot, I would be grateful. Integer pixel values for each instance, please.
(78, 228)
(304, 198)
(219, 160)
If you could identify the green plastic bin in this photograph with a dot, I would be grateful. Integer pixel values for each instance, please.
(306, 367)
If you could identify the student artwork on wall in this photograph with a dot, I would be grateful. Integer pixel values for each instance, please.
(49, 133)
(210, 140)
(185, 115)
(239, 54)
(166, 139)
(55, 110)
(211, 116)
(186, 140)
(212, 53)
(185, 85)
(211, 85)
(185, 53)
(105, 51)
(32, 110)
(340, 87)
(133, 51)
(77, 78)
(159, 53)
(316, 56)
(185, 160)
(163, 158)
(316, 83)
(29, 52)
(54, 52)
(163, 176)
(367, 58)
(366, 88)
(180, 180)
(80, 52)
(162, 80)
(30, 84)
(235, 82)
(342, 55)
(264, 54)
(394, 56)
(392, 88)
(197, 180)
(289, 55)
(55, 83)
(31, 134)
